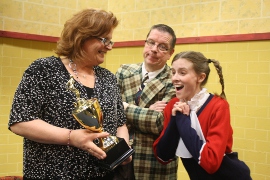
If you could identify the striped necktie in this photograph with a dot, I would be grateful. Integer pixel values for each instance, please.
(138, 94)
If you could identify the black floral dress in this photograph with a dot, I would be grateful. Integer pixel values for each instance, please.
(42, 94)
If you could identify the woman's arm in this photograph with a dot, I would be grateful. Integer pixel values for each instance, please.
(40, 131)
(122, 132)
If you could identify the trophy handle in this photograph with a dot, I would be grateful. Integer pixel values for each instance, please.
(70, 86)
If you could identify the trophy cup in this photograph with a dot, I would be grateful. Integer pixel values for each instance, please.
(89, 114)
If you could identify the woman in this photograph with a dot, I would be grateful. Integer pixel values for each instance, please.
(197, 124)
(56, 146)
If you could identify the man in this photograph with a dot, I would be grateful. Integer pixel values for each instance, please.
(144, 101)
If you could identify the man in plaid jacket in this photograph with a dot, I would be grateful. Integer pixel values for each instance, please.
(145, 110)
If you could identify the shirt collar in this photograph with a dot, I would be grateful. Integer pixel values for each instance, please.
(151, 75)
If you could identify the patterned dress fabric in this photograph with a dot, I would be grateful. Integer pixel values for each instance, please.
(147, 124)
(42, 94)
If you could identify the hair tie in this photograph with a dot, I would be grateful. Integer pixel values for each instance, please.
(209, 61)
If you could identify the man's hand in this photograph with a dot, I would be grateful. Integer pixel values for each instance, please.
(125, 105)
(158, 106)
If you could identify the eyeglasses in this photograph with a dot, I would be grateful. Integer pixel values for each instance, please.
(105, 41)
(161, 47)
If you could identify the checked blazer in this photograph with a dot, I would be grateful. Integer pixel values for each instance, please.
(146, 124)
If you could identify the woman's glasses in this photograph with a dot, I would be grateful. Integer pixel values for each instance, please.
(105, 41)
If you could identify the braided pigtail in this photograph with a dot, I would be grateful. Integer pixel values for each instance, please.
(221, 79)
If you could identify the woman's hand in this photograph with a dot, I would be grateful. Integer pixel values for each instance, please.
(128, 160)
(182, 107)
(122, 132)
(84, 139)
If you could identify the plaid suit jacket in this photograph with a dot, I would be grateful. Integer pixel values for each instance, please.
(146, 124)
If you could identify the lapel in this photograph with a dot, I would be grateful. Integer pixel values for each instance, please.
(132, 78)
(152, 88)
(131, 81)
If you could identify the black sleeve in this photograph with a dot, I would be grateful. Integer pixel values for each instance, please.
(168, 143)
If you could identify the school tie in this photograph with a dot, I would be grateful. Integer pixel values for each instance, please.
(138, 94)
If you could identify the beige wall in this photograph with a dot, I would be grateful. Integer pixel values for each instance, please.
(246, 65)
(189, 18)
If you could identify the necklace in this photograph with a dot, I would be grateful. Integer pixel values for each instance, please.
(73, 66)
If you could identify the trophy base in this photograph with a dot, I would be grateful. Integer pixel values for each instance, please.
(116, 155)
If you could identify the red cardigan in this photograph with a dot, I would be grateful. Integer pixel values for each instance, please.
(214, 118)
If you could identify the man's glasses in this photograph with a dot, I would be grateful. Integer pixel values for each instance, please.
(105, 41)
(161, 47)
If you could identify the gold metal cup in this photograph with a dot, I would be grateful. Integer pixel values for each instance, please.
(89, 114)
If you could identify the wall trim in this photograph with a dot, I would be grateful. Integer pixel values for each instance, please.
(35, 37)
(186, 40)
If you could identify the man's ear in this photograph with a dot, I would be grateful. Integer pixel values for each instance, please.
(201, 77)
(172, 51)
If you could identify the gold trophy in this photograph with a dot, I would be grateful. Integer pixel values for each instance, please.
(89, 114)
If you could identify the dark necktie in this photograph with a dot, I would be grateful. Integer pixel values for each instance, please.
(138, 94)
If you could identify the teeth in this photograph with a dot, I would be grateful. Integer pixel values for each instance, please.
(178, 87)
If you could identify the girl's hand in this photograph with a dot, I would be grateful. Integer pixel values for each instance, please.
(182, 107)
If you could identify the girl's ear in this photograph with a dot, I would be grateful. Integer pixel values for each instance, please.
(201, 77)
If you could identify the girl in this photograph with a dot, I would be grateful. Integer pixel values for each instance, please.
(197, 124)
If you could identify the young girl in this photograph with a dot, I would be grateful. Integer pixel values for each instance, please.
(197, 124)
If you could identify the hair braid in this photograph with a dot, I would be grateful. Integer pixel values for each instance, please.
(221, 79)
